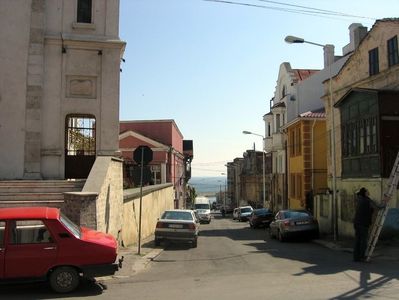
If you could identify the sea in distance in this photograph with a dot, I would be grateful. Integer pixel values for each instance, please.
(208, 186)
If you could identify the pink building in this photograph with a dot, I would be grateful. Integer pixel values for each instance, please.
(171, 160)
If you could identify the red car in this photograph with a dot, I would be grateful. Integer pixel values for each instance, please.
(40, 243)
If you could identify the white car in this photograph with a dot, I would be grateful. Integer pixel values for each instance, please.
(177, 225)
(244, 213)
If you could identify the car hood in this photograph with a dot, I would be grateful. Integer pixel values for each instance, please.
(100, 238)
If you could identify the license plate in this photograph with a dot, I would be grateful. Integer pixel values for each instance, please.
(302, 223)
(175, 226)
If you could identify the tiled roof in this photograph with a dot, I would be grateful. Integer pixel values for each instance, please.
(319, 114)
(302, 74)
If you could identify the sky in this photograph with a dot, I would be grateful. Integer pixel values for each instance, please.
(212, 65)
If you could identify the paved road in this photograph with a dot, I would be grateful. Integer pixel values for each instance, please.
(233, 261)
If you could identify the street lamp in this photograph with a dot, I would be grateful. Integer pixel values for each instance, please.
(295, 40)
(263, 164)
(225, 187)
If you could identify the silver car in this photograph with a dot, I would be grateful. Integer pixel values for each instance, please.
(177, 225)
(293, 223)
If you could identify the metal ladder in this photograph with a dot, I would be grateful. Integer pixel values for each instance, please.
(382, 213)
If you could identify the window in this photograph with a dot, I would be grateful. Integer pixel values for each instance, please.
(29, 232)
(277, 123)
(373, 62)
(392, 47)
(156, 173)
(295, 142)
(84, 11)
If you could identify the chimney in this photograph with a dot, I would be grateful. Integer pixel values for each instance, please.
(328, 55)
(356, 33)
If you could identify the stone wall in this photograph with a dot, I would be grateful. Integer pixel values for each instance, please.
(155, 200)
(99, 205)
(103, 205)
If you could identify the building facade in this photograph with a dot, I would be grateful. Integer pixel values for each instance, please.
(171, 159)
(275, 139)
(307, 161)
(365, 96)
(59, 86)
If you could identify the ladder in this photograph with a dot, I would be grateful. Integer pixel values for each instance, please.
(382, 213)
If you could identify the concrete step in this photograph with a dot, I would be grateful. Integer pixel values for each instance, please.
(47, 203)
(40, 186)
(31, 197)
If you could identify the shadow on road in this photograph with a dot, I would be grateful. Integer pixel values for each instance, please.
(320, 261)
(43, 291)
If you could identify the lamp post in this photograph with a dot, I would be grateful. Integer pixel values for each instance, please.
(297, 40)
(263, 165)
(225, 187)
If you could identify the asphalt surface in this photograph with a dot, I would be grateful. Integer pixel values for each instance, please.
(134, 263)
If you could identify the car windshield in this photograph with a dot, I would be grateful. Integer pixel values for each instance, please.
(246, 209)
(177, 215)
(201, 206)
(296, 214)
(75, 229)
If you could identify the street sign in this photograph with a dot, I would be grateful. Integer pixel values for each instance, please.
(142, 153)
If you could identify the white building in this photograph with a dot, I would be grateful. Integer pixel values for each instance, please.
(59, 86)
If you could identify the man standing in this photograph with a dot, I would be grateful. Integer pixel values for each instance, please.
(362, 221)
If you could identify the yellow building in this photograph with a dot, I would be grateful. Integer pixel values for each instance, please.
(306, 155)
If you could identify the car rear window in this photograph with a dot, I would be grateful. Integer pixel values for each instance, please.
(73, 228)
(177, 215)
(296, 214)
(259, 212)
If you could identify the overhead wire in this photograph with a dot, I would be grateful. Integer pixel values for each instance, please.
(309, 10)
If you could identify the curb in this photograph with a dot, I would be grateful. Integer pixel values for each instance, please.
(138, 264)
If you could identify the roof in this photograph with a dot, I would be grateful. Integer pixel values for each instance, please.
(377, 22)
(29, 213)
(363, 90)
(302, 74)
(317, 114)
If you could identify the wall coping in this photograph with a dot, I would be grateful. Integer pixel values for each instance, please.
(130, 194)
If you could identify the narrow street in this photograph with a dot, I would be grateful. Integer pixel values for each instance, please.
(233, 261)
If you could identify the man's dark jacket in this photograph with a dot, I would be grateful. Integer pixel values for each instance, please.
(364, 211)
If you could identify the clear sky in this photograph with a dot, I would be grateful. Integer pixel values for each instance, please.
(212, 66)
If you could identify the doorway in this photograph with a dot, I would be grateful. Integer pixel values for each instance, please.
(80, 145)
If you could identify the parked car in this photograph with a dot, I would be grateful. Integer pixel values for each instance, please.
(235, 213)
(41, 243)
(293, 223)
(244, 212)
(261, 217)
(177, 225)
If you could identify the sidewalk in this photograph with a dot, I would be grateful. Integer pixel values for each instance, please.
(384, 250)
(132, 261)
